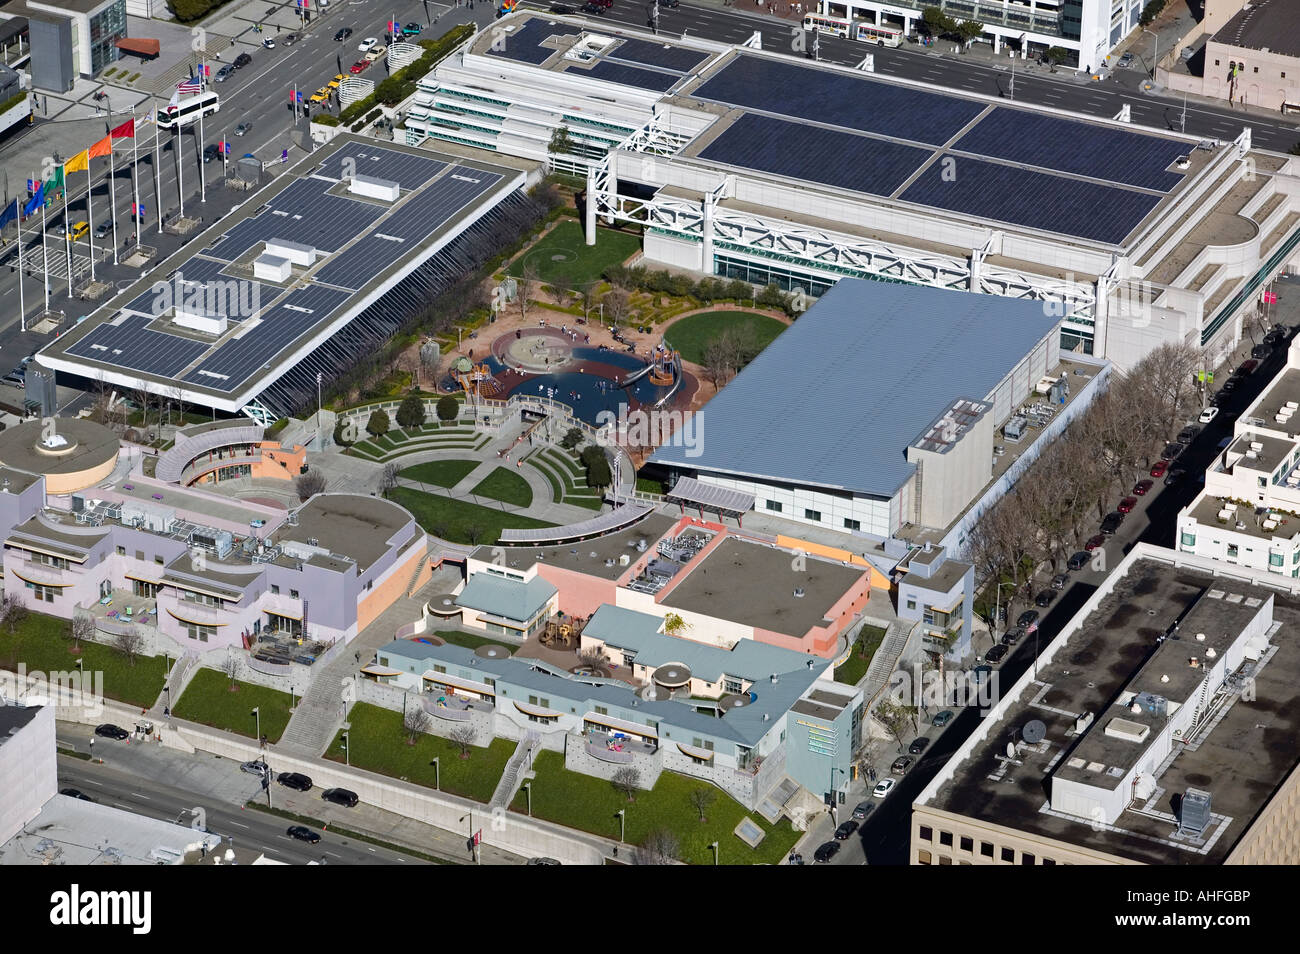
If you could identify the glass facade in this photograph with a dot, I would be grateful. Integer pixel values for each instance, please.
(106, 28)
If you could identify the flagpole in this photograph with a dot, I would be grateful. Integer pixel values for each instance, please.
(157, 170)
(112, 191)
(22, 302)
(45, 255)
(67, 230)
(135, 183)
(203, 195)
(90, 219)
(180, 167)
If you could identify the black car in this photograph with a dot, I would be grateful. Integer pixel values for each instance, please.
(1230, 385)
(110, 731)
(562, 9)
(862, 809)
(303, 833)
(289, 39)
(846, 830)
(1012, 636)
(295, 780)
(1172, 451)
(340, 796)
(541, 860)
(1045, 598)
(1174, 476)
(1260, 352)
(996, 654)
(1111, 523)
(342, 34)
(670, 4)
(1079, 560)
(1188, 434)
(75, 793)
(211, 151)
(1274, 337)
(942, 719)
(1027, 618)
(918, 745)
(242, 60)
(826, 852)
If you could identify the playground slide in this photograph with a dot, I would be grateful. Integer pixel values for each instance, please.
(632, 379)
(677, 372)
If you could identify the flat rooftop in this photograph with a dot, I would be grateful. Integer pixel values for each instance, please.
(1205, 511)
(350, 524)
(1268, 452)
(71, 831)
(272, 325)
(1241, 761)
(1284, 389)
(754, 584)
(587, 556)
(1272, 25)
(14, 718)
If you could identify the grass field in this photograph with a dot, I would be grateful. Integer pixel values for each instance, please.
(377, 743)
(470, 640)
(208, 699)
(563, 256)
(439, 473)
(855, 667)
(506, 486)
(588, 803)
(691, 336)
(41, 644)
(453, 519)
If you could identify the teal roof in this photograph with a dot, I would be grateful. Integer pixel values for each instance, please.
(510, 599)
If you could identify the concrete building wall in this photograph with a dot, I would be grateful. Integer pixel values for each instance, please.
(28, 772)
(1272, 838)
(53, 67)
(943, 838)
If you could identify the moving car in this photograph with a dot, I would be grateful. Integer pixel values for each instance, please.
(918, 745)
(1027, 618)
(1161, 466)
(593, 8)
(225, 73)
(260, 769)
(289, 39)
(412, 29)
(268, 44)
(75, 793)
(367, 43)
(376, 52)
(360, 66)
(295, 780)
(1209, 414)
(110, 731)
(303, 833)
(996, 654)
(243, 128)
(883, 787)
(1111, 522)
(846, 830)
(79, 230)
(942, 719)
(342, 34)
(1079, 560)
(541, 860)
(103, 230)
(563, 9)
(1127, 504)
(900, 765)
(211, 151)
(862, 809)
(1045, 598)
(826, 852)
(340, 796)
(242, 60)
(1142, 486)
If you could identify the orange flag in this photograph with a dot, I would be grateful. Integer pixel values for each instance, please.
(102, 148)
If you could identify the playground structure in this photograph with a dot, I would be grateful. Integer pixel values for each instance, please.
(476, 380)
(562, 632)
(664, 368)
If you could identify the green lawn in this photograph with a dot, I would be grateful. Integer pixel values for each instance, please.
(440, 473)
(855, 667)
(208, 699)
(646, 485)
(452, 519)
(470, 640)
(40, 642)
(377, 742)
(692, 335)
(581, 801)
(563, 256)
(507, 486)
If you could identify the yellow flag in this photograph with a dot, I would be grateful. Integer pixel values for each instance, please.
(78, 163)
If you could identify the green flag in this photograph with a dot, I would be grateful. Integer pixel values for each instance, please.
(56, 182)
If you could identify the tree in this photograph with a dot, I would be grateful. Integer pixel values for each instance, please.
(561, 143)
(310, 484)
(411, 413)
(473, 533)
(81, 629)
(388, 479)
(618, 305)
(129, 642)
(463, 738)
(572, 438)
(895, 717)
(1056, 55)
(935, 22)
(232, 667)
(674, 625)
(447, 409)
(525, 285)
(416, 722)
(701, 799)
(627, 780)
(561, 294)
(599, 475)
(13, 611)
(378, 424)
(969, 30)
(589, 295)
(660, 847)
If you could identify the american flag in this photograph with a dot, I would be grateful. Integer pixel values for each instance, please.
(191, 85)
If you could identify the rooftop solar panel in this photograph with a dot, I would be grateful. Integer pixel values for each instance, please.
(302, 212)
(875, 166)
(658, 54)
(854, 102)
(199, 272)
(410, 172)
(613, 72)
(1070, 145)
(523, 44)
(129, 344)
(1033, 199)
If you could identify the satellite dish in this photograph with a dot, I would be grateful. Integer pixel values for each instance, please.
(1034, 732)
(1011, 750)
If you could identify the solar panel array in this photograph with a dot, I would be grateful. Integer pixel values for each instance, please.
(836, 99)
(1099, 152)
(407, 227)
(613, 72)
(302, 213)
(1033, 199)
(129, 344)
(523, 44)
(658, 54)
(410, 172)
(816, 154)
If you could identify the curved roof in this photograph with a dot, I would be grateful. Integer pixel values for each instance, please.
(190, 444)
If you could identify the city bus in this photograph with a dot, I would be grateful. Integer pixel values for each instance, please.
(879, 35)
(189, 110)
(862, 31)
(825, 24)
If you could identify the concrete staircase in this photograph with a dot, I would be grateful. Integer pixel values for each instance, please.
(415, 574)
(512, 776)
(885, 661)
(179, 677)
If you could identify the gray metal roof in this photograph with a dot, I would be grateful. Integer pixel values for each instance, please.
(836, 399)
(510, 599)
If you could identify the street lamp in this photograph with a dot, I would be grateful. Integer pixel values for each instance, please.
(714, 846)
(291, 697)
(347, 751)
(436, 772)
(257, 713)
(621, 819)
(473, 845)
(1155, 51)
(834, 769)
(318, 410)
(528, 791)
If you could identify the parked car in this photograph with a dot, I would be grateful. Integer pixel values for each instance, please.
(1188, 434)
(826, 852)
(110, 731)
(918, 745)
(1125, 61)
(340, 796)
(1111, 522)
(375, 52)
(342, 34)
(225, 73)
(1012, 636)
(367, 43)
(900, 765)
(243, 128)
(942, 719)
(996, 654)
(846, 830)
(295, 780)
(1159, 469)
(75, 793)
(1045, 598)
(242, 60)
(1274, 337)
(412, 29)
(1142, 486)
(1059, 581)
(1209, 414)
(360, 66)
(1027, 618)
(303, 833)
(1094, 542)
(1079, 560)
(1174, 476)
(1248, 366)
(1260, 352)
(268, 44)
(1127, 504)
(337, 81)
(260, 769)
(1172, 451)
(862, 809)
(883, 788)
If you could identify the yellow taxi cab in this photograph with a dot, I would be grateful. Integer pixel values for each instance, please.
(334, 83)
(321, 95)
(79, 231)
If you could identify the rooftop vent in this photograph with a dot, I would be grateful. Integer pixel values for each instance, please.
(1164, 678)
(1210, 653)
(1127, 730)
(798, 592)
(1200, 637)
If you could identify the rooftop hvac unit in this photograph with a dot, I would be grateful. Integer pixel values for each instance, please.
(798, 592)
(624, 559)
(1194, 814)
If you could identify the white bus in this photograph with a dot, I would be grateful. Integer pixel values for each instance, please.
(824, 24)
(189, 110)
(879, 35)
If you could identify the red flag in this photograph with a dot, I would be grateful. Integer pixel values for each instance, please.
(124, 131)
(102, 148)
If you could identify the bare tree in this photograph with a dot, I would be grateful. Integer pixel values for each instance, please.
(463, 738)
(309, 484)
(81, 629)
(473, 533)
(660, 847)
(618, 305)
(13, 611)
(387, 479)
(589, 295)
(627, 780)
(525, 285)
(416, 722)
(561, 294)
(895, 717)
(232, 667)
(701, 799)
(1168, 376)
(129, 642)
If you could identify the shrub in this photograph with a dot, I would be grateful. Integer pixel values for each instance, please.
(410, 413)
(448, 409)
(378, 423)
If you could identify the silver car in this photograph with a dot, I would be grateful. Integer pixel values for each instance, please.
(260, 769)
